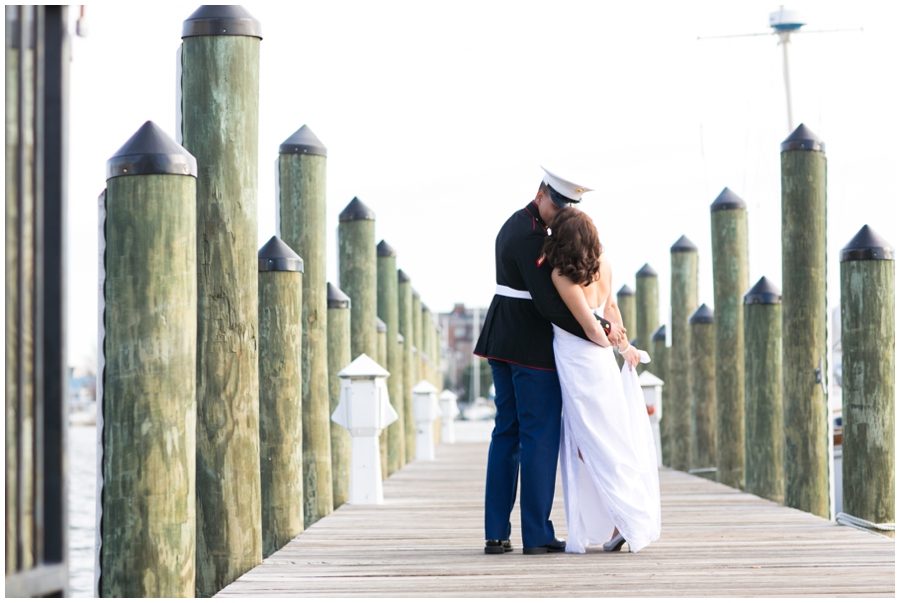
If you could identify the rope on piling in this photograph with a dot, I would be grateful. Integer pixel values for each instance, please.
(865, 525)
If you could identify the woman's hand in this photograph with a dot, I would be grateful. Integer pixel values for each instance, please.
(631, 356)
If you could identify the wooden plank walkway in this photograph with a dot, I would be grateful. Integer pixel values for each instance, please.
(427, 540)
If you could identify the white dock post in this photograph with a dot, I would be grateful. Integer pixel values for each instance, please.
(427, 411)
(364, 410)
(449, 412)
(651, 385)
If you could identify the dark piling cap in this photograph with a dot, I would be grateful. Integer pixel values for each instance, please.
(425, 308)
(625, 291)
(276, 256)
(356, 210)
(221, 20)
(727, 200)
(703, 315)
(380, 326)
(803, 139)
(385, 251)
(151, 151)
(659, 334)
(867, 245)
(337, 299)
(402, 277)
(763, 292)
(303, 142)
(646, 270)
(416, 294)
(682, 245)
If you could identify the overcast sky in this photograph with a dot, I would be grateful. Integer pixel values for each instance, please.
(439, 114)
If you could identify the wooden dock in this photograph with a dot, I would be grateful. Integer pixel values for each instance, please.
(426, 541)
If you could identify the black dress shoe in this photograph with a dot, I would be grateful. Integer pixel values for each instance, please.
(497, 547)
(554, 546)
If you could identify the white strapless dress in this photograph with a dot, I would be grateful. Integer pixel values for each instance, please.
(604, 416)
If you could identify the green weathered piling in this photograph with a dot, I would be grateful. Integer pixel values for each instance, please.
(764, 432)
(730, 258)
(659, 357)
(868, 340)
(684, 302)
(281, 418)
(703, 392)
(149, 402)
(646, 309)
(388, 312)
(381, 359)
(804, 349)
(625, 300)
(220, 126)
(405, 313)
(357, 270)
(301, 223)
(338, 358)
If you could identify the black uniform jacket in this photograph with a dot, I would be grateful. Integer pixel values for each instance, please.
(519, 330)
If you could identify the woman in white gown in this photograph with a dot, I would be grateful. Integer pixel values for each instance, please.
(607, 451)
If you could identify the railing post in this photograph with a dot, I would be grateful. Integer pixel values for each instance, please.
(149, 400)
(703, 393)
(730, 258)
(364, 411)
(281, 433)
(301, 224)
(660, 363)
(449, 412)
(220, 126)
(868, 338)
(427, 412)
(764, 433)
(803, 269)
(684, 302)
(405, 312)
(388, 312)
(338, 358)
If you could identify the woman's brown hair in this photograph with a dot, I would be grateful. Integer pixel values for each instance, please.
(574, 248)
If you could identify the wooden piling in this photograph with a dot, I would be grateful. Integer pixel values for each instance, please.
(149, 389)
(646, 309)
(388, 312)
(338, 358)
(804, 349)
(659, 366)
(405, 313)
(220, 126)
(357, 270)
(868, 340)
(730, 257)
(281, 416)
(381, 359)
(703, 393)
(684, 302)
(764, 432)
(625, 300)
(301, 223)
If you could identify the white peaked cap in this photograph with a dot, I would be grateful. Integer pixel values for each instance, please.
(564, 187)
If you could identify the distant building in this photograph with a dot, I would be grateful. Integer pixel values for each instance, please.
(460, 335)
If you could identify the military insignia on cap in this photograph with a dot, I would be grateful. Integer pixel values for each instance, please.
(580, 189)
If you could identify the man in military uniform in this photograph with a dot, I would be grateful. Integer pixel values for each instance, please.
(517, 340)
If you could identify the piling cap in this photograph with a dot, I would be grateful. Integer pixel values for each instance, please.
(727, 200)
(337, 299)
(763, 292)
(683, 244)
(625, 291)
(385, 251)
(380, 326)
(416, 294)
(703, 315)
(803, 139)
(646, 270)
(659, 334)
(867, 245)
(151, 151)
(425, 308)
(303, 142)
(402, 277)
(221, 20)
(356, 210)
(276, 256)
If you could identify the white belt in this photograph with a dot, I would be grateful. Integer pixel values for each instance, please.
(510, 292)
